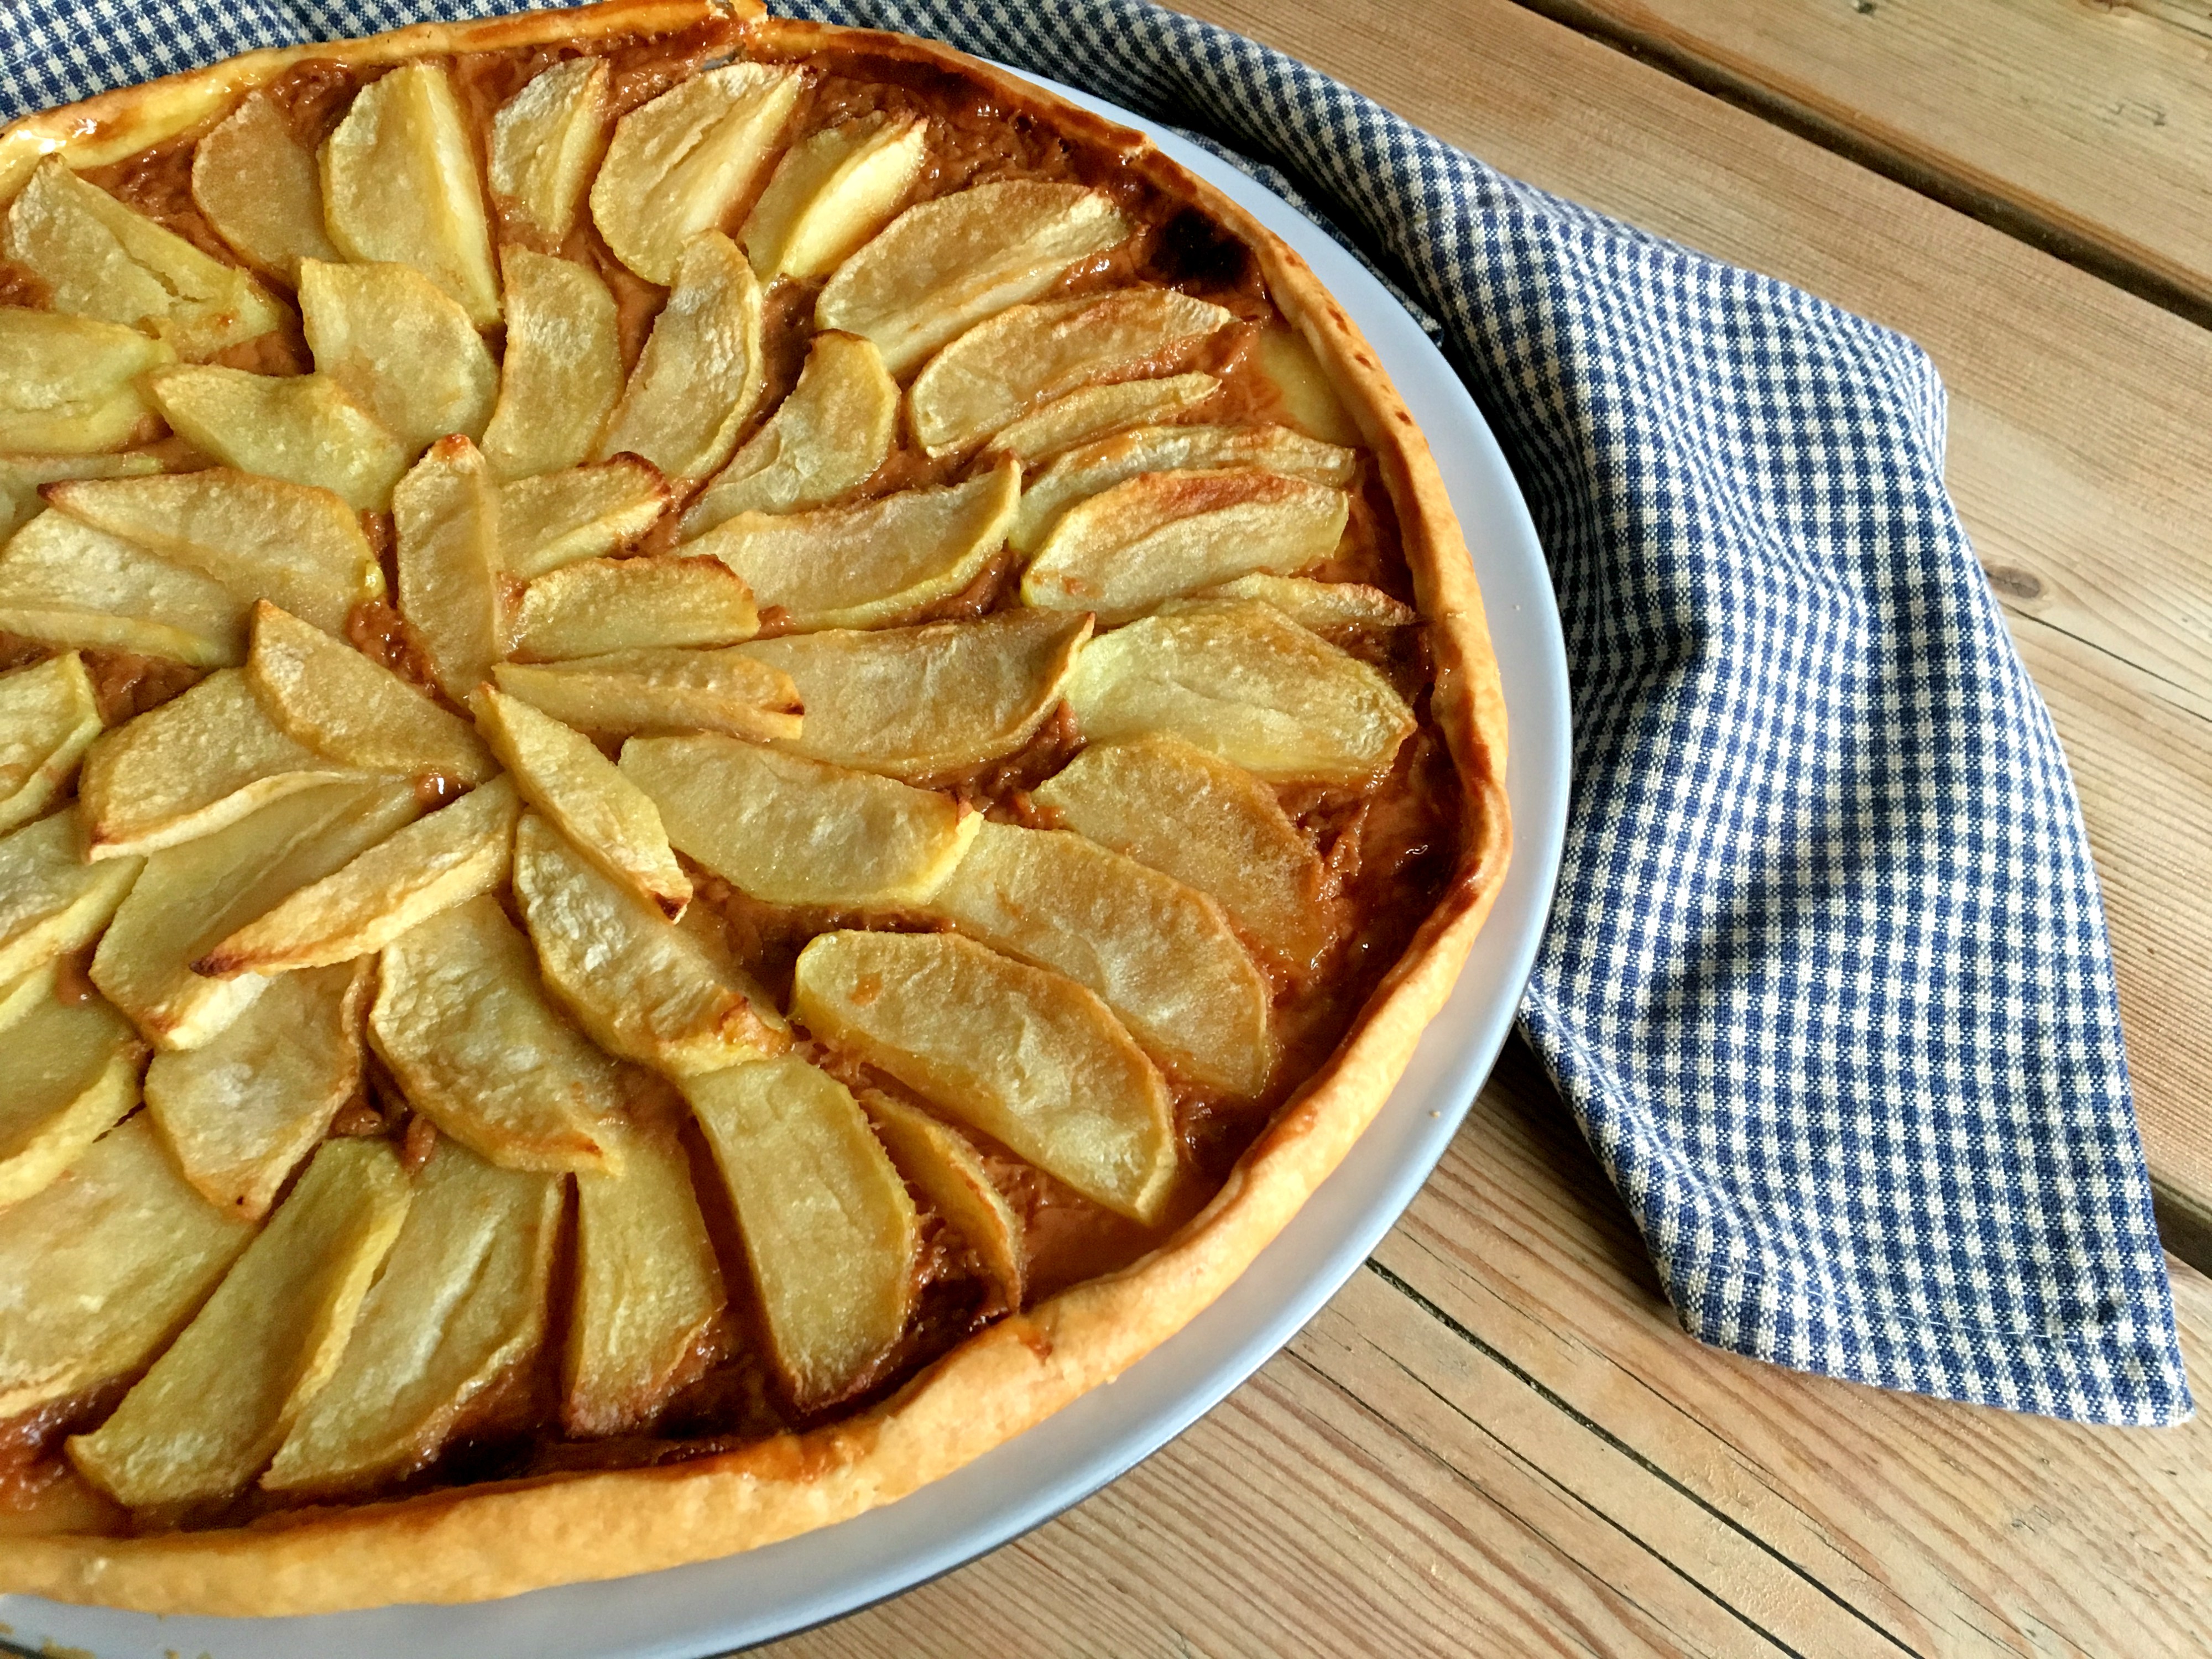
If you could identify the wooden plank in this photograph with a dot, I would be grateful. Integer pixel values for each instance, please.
(2079, 454)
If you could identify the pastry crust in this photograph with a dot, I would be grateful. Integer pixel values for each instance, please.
(491, 1540)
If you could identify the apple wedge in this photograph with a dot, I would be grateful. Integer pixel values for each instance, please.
(102, 259)
(260, 538)
(400, 186)
(595, 804)
(833, 431)
(69, 385)
(102, 1269)
(584, 513)
(1094, 411)
(1241, 681)
(432, 865)
(641, 986)
(188, 768)
(458, 1314)
(1161, 955)
(446, 512)
(189, 898)
(678, 164)
(51, 900)
(214, 1407)
(1030, 1058)
(546, 141)
(1007, 365)
(1212, 826)
(48, 719)
(869, 564)
(701, 374)
(594, 606)
(22, 477)
(401, 346)
(650, 1313)
(242, 1113)
(300, 428)
(353, 711)
(831, 193)
(944, 1166)
(562, 368)
(913, 702)
(461, 1022)
(794, 832)
(258, 186)
(65, 584)
(830, 1234)
(944, 266)
(621, 693)
(1310, 401)
(1153, 537)
(70, 1072)
(1339, 611)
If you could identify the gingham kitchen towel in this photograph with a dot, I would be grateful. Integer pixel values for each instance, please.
(1826, 983)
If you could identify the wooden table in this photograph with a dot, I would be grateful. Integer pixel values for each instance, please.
(1496, 1439)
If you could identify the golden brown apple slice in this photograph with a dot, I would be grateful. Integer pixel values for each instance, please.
(460, 1020)
(832, 192)
(430, 865)
(66, 584)
(545, 142)
(399, 185)
(584, 513)
(240, 1114)
(213, 1410)
(794, 832)
(21, 478)
(188, 898)
(48, 719)
(258, 186)
(597, 605)
(1162, 955)
(625, 692)
(830, 1234)
(1008, 365)
(944, 266)
(639, 985)
(101, 259)
(833, 431)
(1101, 465)
(944, 1165)
(1243, 681)
(53, 901)
(1308, 399)
(677, 165)
(650, 1313)
(260, 538)
(69, 385)
(860, 566)
(402, 348)
(1093, 411)
(458, 1314)
(1159, 535)
(188, 768)
(562, 370)
(560, 773)
(701, 373)
(100, 1269)
(70, 1073)
(1031, 1059)
(1210, 825)
(300, 428)
(446, 512)
(915, 702)
(353, 711)
(1338, 612)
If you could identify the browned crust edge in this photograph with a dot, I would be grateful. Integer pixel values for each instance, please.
(475, 1543)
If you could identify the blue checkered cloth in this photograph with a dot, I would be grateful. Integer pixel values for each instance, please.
(1827, 983)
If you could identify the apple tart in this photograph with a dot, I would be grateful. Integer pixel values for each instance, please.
(728, 749)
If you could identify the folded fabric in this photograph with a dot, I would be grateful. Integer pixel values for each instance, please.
(1826, 982)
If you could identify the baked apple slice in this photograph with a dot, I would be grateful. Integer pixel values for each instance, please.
(583, 512)
(832, 192)
(48, 719)
(1308, 399)
(1341, 612)
(258, 186)
(945, 1167)
(446, 514)
(403, 347)
(300, 428)
(70, 385)
(701, 373)
(399, 185)
(594, 607)
(52, 900)
(562, 368)
(22, 477)
(1030, 1058)
(833, 431)
(545, 142)
(1092, 412)
(621, 693)
(65, 584)
(70, 1072)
